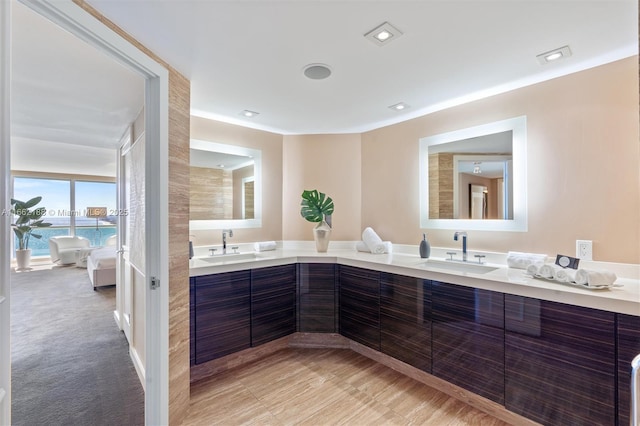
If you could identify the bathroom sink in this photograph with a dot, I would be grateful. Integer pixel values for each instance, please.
(452, 265)
(229, 257)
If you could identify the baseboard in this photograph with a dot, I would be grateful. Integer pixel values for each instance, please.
(319, 340)
(116, 317)
(219, 365)
(139, 366)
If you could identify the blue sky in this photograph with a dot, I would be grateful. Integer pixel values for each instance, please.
(56, 194)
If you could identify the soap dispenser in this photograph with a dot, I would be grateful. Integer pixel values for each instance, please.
(425, 247)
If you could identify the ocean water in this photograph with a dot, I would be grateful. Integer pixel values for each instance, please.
(40, 247)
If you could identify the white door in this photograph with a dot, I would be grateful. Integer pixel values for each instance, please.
(5, 236)
(124, 291)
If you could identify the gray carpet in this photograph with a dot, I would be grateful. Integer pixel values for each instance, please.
(70, 363)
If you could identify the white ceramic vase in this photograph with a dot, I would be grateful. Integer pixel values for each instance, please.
(23, 259)
(322, 235)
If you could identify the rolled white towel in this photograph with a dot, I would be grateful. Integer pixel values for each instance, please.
(362, 246)
(565, 275)
(548, 271)
(518, 260)
(533, 268)
(373, 241)
(264, 246)
(595, 278)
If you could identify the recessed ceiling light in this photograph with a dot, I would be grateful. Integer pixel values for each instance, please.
(399, 106)
(249, 114)
(383, 34)
(554, 55)
(317, 71)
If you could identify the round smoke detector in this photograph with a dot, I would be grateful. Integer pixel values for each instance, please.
(317, 71)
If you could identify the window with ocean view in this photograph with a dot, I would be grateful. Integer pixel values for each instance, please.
(66, 202)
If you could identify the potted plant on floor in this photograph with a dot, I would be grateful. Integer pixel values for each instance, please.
(318, 207)
(27, 219)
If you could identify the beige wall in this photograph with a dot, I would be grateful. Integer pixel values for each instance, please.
(582, 157)
(271, 146)
(330, 164)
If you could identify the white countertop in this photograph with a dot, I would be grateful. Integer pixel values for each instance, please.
(623, 298)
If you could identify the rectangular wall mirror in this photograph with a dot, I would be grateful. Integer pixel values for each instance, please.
(475, 178)
(225, 188)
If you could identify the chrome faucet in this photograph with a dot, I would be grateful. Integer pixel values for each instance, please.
(224, 239)
(464, 243)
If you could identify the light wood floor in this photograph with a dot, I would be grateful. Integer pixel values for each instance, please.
(324, 387)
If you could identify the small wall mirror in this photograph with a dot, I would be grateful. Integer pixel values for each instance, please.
(475, 178)
(225, 186)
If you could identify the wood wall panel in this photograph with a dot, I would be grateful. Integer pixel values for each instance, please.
(210, 194)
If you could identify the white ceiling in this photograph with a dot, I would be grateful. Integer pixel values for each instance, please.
(70, 104)
(250, 55)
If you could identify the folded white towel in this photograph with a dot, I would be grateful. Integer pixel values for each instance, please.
(595, 278)
(264, 246)
(565, 275)
(373, 241)
(548, 271)
(362, 246)
(519, 260)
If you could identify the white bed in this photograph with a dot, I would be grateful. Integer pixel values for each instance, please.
(101, 265)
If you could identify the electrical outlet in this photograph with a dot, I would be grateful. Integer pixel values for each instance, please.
(584, 249)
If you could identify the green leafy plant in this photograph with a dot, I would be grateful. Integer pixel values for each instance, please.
(27, 220)
(316, 206)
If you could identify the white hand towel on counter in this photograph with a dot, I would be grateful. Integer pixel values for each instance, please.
(565, 275)
(362, 246)
(519, 260)
(548, 271)
(373, 241)
(264, 246)
(595, 278)
(533, 269)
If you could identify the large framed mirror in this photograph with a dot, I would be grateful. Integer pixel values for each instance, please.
(225, 186)
(475, 178)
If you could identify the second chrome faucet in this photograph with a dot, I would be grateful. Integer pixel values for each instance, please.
(224, 239)
(464, 243)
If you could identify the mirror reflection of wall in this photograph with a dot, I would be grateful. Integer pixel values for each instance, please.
(456, 165)
(217, 188)
(444, 158)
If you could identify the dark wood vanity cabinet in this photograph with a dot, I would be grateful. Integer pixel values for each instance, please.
(317, 298)
(628, 342)
(222, 314)
(273, 303)
(560, 362)
(405, 319)
(468, 338)
(360, 305)
(192, 321)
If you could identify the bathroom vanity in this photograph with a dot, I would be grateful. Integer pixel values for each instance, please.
(551, 353)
